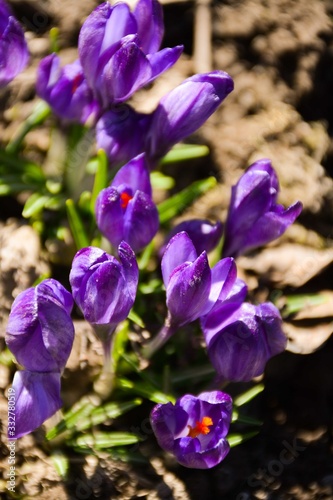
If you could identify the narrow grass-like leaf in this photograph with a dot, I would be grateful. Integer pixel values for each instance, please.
(247, 396)
(153, 286)
(77, 227)
(182, 152)
(295, 303)
(133, 316)
(101, 178)
(145, 257)
(161, 181)
(189, 374)
(39, 114)
(236, 439)
(174, 205)
(60, 462)
(146, 390)
(102, 440)
(34, 204)
(243, 419)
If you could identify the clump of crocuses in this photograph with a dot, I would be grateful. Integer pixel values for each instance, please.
(194, 429)
(40, 334)
(104, 288)
(125, 210)
(254, 217)
(13, 47)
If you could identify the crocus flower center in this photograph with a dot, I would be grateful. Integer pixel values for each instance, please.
(125, 198)
(200, 427)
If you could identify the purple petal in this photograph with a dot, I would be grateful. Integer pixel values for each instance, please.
(130, 271)
(179, 250)
(163, 60)
(135, 174)
(121, 133)
(247, 340)
(149, 18)
(110, 215)
(141, 221)
(204, 234)
(188, 290)
(189, 454)
(40, 331)
(13, 48)
(185, 109)
(168, 421)
(37, 399)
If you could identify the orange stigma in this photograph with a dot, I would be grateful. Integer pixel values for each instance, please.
(76, 82)
(124, 199)
(200, 427)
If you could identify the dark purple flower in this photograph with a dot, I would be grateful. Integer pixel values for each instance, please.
(13, 47)
(179, 113)
(254, 217)
(40, 334)
(204, 234)
(40, 331)
(66, 90)
(104, 288)
(125, 210)
(194, 430)
(121, 132)
(37, 398)
(240, 345)
(118, 49)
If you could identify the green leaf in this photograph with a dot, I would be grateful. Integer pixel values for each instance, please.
(243, 419)
(146, 390)
(198, 372)
(133, 316)
(76, 224)
(247, 396)
(153, 286)
(182, 152)
(39, 114)
(102, 440)
(86, 414)
(236, 439)
(34, 204)
(160, 181)
(101, 178)
(176, 204)
(145, 257)
(295, 303)
(61, 463)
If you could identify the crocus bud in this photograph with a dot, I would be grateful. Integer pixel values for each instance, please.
(254, 217)
(113, 45)
(13, 47)
(40, 334)
(66, 90)
(204, 234)
(194, 429)
(125, 210)
(40, 331)
(104, 288)
(183, 110)
(244, 342)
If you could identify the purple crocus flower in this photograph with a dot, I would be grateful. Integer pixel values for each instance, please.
(194, 430)
(13, 47)
(40, 334)
(118, 49)
(240, 345)
(179, 114)
(204, 234)
(192, 288)
(125, 210)
(104, 288)
(254, 217)
(66, 90)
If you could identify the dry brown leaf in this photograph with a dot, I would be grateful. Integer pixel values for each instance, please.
(288, 264)
(304, 339)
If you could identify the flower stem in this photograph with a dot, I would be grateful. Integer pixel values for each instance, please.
(104, 385)
(167, 330)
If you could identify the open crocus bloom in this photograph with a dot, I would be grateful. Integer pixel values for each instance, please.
(125, 211)
(13, 47)
(194, 430)
(254, 217)
(240, 344)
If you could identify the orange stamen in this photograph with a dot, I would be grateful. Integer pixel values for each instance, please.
(124, 199)
(200, 427)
